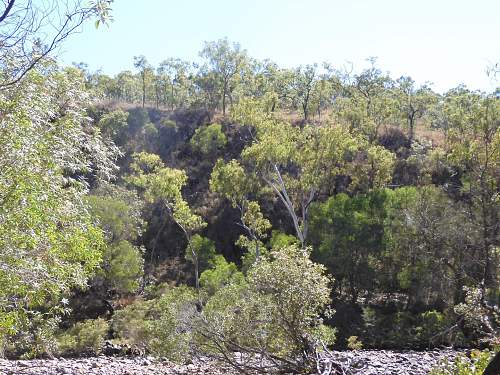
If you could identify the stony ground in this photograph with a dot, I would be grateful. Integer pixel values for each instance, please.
(375, 362)
(363, 362)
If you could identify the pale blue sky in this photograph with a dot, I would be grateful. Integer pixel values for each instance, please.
(446, 42)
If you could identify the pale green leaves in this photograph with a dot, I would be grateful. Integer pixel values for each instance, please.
(208, 139)
(230, 180)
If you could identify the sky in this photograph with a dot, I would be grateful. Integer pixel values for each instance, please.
(446, 42)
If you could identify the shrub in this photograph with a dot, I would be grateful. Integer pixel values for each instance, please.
(131, 326)
(475, 365)
(85, 337)
(276, 313)
(161, 326)
(124, 266)
(222, 274)
(34, 338)
(208, 139)
(354, 343)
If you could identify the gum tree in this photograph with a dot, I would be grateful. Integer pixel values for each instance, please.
(160, 183)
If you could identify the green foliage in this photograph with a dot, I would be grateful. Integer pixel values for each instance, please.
(208, 140)
(48, 241)
(114, 124)
(279, 240)
(475, 365)
(221, 274)
(161, 326)
(402, 328)
(84, 337)
(123, 266)
(131, 324)
(349, 235)
(163, 184)
(229, 180)
(353, 343)
(118, 212)
(225, 65)
(276, 312)
(203, 249)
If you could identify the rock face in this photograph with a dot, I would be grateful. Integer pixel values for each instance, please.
(362, 362)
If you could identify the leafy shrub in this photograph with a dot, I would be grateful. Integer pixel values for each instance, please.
(405, 329)
(171, 323)
(354, 343)
(475, 365)
(85, 337)
(130, 324)
(124, 266)
(276, 313)
(222, 274)
(160, 326)
(208, 139)
(34, 338)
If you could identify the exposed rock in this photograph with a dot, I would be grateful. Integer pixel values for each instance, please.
(362, 362)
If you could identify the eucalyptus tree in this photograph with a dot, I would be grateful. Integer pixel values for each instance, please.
(299, 163)
(226, 61)
(231, 181)
(173, 77)
(160, 183)
(413, 101)
(145, 71)
(303, 85)
(363, 101)
(31, 30)
(473, 150)
(49, 244)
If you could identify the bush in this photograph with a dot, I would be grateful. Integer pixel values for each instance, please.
(36, 337)
(276, 313)
(124, 266)
(354, 343)
(475, 365)
(85, 337)
(130, 325)
(208, 139)
(161, 326)
(222, 274)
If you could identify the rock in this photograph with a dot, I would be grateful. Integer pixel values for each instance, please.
(360, 362)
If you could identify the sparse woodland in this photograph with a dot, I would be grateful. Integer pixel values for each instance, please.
(234, 205)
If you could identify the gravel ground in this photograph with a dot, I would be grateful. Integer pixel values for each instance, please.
(375, 362)
(362, 362)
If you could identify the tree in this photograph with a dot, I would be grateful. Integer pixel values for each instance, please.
(118, 213)
(230, 181)
(226, 62)
(31, 31)
(113, 125)
(304, 84)
(348, 235)
(208, 139)
(413, 101)
(474, 151)
(145, 71)
(299, 163)
(174, 82)
(163, 184)
(275, 313)
(48, 151)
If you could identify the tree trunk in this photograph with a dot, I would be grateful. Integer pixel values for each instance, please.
(411, 125)
(143, 90)
(224, 99)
